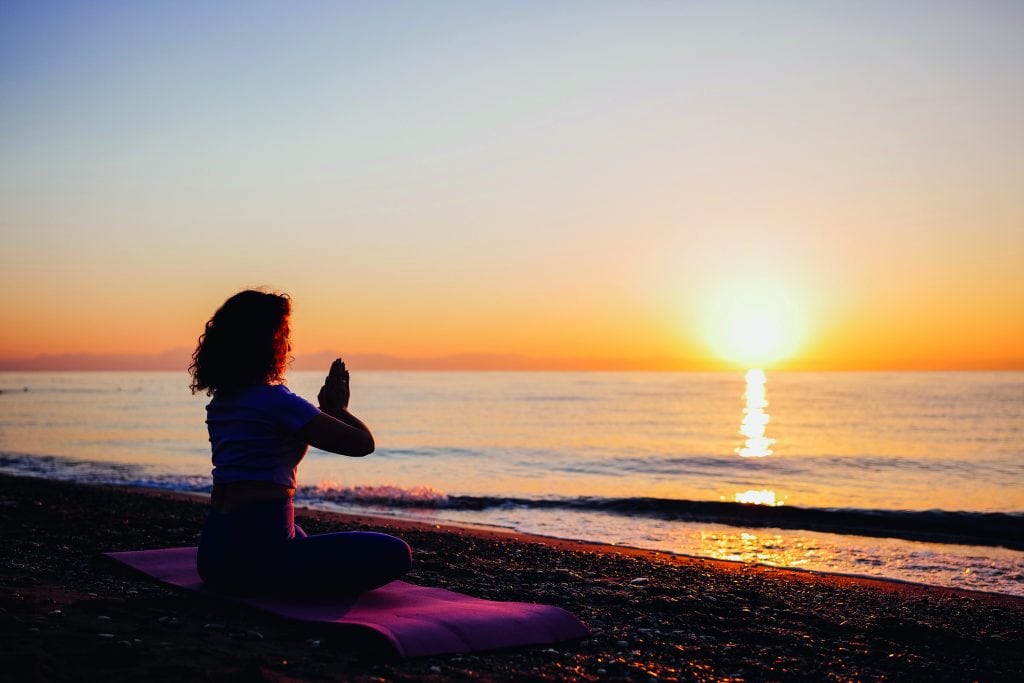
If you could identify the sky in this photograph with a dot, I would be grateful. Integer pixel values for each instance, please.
(595, 184)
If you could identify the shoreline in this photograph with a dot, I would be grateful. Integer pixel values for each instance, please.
(491, 531)
(67, 613)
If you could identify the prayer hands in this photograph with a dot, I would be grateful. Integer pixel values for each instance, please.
(335, 392)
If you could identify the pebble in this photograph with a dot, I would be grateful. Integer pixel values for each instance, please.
(105, 636)
(214, 627)
(602, 672)
(124, 643)
(621, 644)
(640, 581)
(54, 613)
(103, 617)
(253, 634)
(434, 669)
(313, 643)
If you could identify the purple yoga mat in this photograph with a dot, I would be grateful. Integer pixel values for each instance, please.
(416, 621)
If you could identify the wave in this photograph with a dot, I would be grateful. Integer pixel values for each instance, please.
(381, 494)
(936, 526)
(837, 465)
(92, 472)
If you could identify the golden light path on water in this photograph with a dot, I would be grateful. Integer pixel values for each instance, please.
(754, 426)
(755, 419)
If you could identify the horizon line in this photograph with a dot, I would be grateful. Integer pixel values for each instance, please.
(178, 359)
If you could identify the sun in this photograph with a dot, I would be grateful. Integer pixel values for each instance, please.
(754, 324)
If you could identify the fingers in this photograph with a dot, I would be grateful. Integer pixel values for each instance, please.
(337, 384)
(339, 371)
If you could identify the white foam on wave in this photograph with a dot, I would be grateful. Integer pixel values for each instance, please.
(377, 494)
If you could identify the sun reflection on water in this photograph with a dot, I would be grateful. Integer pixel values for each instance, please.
(790, 550)
(758, 497)
(755, 419)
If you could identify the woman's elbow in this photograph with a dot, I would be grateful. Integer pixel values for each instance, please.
(365, 448)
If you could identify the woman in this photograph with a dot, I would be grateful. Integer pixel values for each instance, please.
(259, 432)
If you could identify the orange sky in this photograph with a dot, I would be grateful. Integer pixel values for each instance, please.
(584, 183)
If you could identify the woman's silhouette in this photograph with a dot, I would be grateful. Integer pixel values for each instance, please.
(259, 431)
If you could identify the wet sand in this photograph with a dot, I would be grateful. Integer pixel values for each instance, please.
(67, 613)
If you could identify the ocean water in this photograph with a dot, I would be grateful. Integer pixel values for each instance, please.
(908, 476)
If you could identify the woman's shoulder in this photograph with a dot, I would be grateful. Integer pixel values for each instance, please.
(276, 389)
(270, 393)
(255, 394)
(279, 394)
(288, 407)
(275, 402)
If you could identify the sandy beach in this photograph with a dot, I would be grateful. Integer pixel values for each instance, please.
(67, 613)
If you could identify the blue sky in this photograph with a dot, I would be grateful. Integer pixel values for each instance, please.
(553, 178)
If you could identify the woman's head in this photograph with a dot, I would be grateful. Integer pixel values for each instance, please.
(245, 343)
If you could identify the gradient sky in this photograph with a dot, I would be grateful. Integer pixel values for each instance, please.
(556, 179)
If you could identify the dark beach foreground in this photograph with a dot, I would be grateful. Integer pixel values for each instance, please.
(67, 613)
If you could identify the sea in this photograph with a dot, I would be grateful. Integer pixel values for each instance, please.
(907, 476)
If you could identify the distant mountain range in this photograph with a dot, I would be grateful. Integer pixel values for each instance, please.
(179, 359)
(175, 359)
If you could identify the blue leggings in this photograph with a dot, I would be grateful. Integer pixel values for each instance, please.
(258, 549)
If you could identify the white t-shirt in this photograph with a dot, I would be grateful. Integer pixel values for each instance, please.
(252, 433)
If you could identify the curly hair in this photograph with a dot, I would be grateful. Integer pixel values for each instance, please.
(245, 343)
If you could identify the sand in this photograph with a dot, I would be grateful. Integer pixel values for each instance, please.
(67, 613)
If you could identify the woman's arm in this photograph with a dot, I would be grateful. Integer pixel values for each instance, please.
(335, 429)
(328, 433)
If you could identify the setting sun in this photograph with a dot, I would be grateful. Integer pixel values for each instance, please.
(754, 324)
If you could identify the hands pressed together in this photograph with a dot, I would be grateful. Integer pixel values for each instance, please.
(335, 393)
(336, 430)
